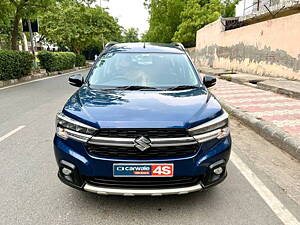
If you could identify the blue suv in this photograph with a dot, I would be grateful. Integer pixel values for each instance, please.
(142, 123)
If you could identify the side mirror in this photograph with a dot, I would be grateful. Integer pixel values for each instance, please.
(209, 81)
(76, 80)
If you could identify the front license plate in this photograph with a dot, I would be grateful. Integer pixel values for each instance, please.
(143, 170)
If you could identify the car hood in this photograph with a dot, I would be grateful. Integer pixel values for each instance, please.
(142, 109)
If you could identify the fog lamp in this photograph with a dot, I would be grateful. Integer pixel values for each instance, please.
(218, 170)
(66, 171)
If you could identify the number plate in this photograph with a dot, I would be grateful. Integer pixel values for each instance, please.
(143, 170)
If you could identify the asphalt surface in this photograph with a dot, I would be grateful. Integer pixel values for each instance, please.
(30, 192)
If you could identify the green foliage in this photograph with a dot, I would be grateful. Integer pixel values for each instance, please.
(75, 26)
(5, 10)
(14, 65)
(131, 35)
(80, 60)
(229, 10)
(14, 10)
(56, 61)
(195, 15)
(91, 51)
(5, 27)
(6, 13)
(179, 20)
(164, 19)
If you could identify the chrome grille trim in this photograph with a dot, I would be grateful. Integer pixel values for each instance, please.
(126, 142)
(164, 142)
(155, 142)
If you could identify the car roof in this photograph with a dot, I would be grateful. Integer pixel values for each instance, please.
(145, 48)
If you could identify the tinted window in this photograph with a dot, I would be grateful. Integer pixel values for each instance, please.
(143, 69)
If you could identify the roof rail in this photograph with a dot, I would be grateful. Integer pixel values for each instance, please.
(110, 44)
(177, 44)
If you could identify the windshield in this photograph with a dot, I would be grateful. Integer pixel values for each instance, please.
(157, 70)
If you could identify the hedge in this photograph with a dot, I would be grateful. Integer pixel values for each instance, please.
(80, 60)
(15, 64)
(56, 61)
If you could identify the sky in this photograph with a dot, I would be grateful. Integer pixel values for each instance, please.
(239, 11)
(130, 13)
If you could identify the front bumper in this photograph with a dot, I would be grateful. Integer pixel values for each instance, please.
(90, 166)
(149, 192)
(134, 192)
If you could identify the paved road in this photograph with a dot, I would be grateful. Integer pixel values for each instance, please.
(262, 186)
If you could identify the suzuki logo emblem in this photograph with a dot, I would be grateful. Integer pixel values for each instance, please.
(142, 143)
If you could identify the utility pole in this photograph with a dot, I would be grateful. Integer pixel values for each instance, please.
(31, 36)
(102, 37)
(31, 41)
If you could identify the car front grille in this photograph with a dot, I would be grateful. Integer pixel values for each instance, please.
(120, 152)
(142, 182)
(149, 133)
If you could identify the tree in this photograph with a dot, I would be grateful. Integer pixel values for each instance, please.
(179, 20)
(19, 9)
(195, 15)
(164, 19)
(6, 13)
(76, 26)
(131, 35)
(230, 8)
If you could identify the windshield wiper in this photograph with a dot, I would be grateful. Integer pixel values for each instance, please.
(136, 87)
(183, 87)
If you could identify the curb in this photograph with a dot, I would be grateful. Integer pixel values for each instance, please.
(276, 136)
(258, 85)
(261, 86)
(36, 76)
(215, 72)
(289, 93)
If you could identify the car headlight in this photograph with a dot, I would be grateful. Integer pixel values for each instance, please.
(67, 127)
(215, 128)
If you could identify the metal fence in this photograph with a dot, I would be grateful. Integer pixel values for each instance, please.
(265, 5)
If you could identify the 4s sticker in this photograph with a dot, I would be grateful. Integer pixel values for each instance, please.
(145, 170)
